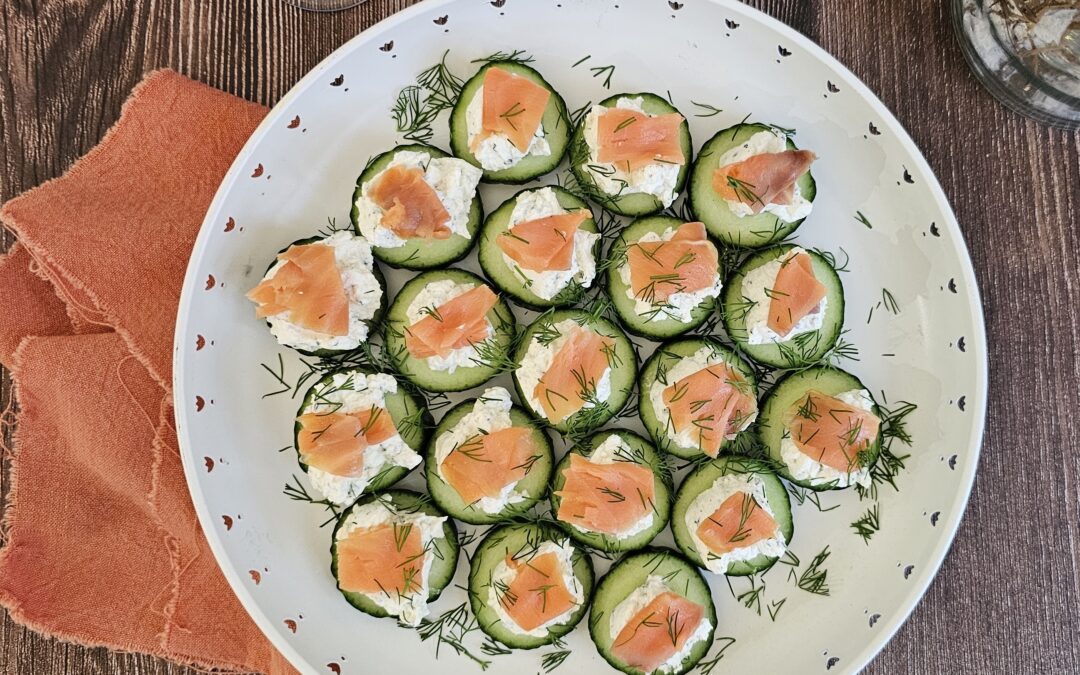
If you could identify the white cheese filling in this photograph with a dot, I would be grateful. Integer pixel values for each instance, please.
(410, 608)
(757, 287)
(706, 503)
(454, 181)
(537, 360)
(503, 575)
(354, 262)
(655, 178)
(806, 468)
(496, 152)
(770, 141)
(543, 203)
(678, 306)
(685, 367)
(427, 303)
(626, 610)
(614, 449)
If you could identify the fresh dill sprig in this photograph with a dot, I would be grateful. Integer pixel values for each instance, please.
(451, 628)
(863, 219)
(833, 261)
(418, 105)
(606, 72)
(706, 667)
(516, 56)
(279, 376)
(814, 579)
(706, 109)
(868, 523)
(297, 492)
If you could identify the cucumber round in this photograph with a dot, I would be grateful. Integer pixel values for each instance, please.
(444, 550)
(622, 361)
(627, 204)
(518, 541)
(534, 485)
(666, 356)
(710, 208)
(419, 253)
(657, 324)
(555, 123)
(785, 394)
(702, 479)
(629, 574)
(641, 453)
(505, 276)
(801, 349)
(417, 370)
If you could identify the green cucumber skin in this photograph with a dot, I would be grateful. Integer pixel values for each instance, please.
(482, 566)
(769, 426)
(555, 119)
(495, 267)
(667, 353)
(770, 354)
(448, 500)
(418, 256)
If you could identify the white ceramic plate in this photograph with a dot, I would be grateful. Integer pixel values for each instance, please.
(299, 169)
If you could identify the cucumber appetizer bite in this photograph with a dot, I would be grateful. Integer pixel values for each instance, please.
(696, 397)
(540, 247)
(393, 553)
(664, 276)
(613, 492)
(653, 613)
(487, 461)
(321, 295)
(630, 153)
(356, 432)
(510, 123)
(751, 186)
(448, 331)
(575, 371)
(823, 427)
(529, 585)
(784, 307)
(418, 206)
(732, 516)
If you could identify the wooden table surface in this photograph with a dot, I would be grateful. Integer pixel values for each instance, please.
(1008, 596)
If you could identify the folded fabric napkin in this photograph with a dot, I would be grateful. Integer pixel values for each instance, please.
(102, 542)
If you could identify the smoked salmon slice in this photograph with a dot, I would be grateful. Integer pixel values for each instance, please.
(606, 498)
(457, 323)
(335, 442)
(513, 106)
(538, 593)
(832, 432)
(572, 378)
(738, 522)
(713, 403)
(684, 264)
(630, 139)
(411, 207)
(794, 294)
(308, 286)
(760, 180)
(387, 558)
(485, 464)
(544, 244)
(657, 632)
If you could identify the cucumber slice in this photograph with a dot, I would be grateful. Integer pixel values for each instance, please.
(785, 394)
(533, 486)
(663, 361)
(750, 231)
(631, 573)
(627, 203)
(702, 479)
(622, 362)
(506, 276)
(555, 123)
(656, 324)
(801, 349)
(642, 453)
(494, 350)
(420, 253)
(521, 543)
(444, 550)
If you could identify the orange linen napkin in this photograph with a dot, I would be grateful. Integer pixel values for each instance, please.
(102, 545)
